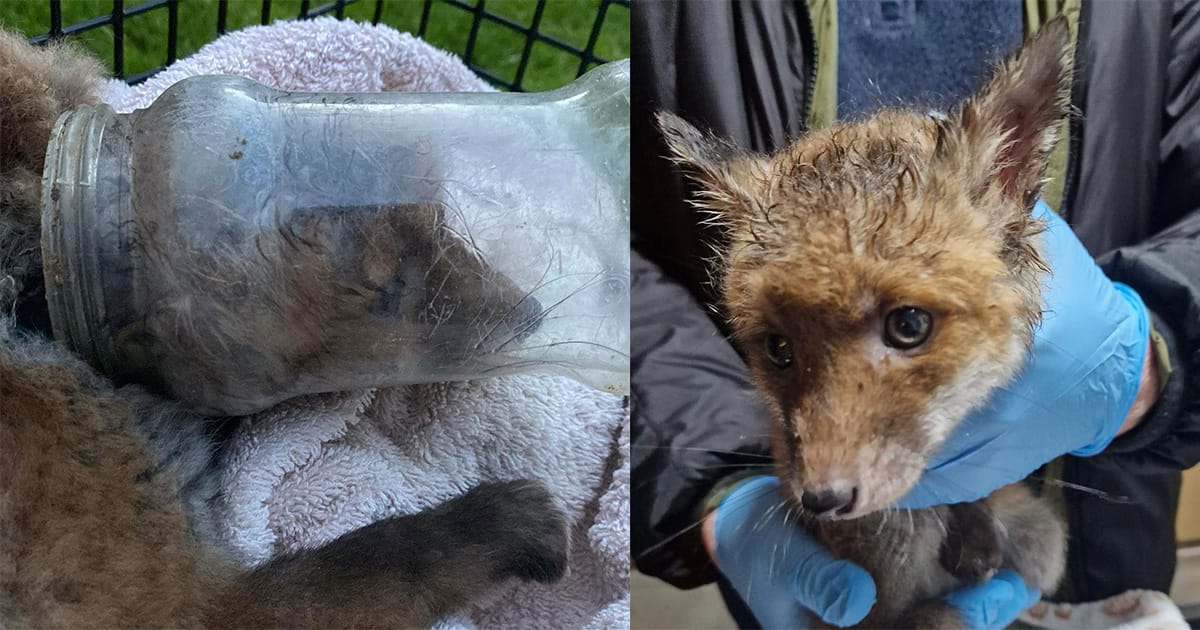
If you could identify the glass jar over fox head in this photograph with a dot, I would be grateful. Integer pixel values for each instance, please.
(238, 246)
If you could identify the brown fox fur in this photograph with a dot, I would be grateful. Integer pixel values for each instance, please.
(94, 531)
(36, 84)
(81, 543)
(828, 240)
(39, 84)
(101, 492)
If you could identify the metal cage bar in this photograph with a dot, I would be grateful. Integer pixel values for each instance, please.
(55, 18)
(118, 26)
(477, 9)
(476, 20)
(172, 30)
(527, 51)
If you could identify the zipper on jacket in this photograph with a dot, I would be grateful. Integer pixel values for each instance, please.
(810, 53)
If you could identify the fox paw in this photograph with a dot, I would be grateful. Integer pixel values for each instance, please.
(527, 530)
(972, 550)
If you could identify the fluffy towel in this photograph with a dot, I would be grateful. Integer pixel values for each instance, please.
(321, 55)
(311, 469)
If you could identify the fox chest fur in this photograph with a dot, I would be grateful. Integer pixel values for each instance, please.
(882, 277)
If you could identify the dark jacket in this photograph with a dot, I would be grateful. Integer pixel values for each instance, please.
(1130, 189)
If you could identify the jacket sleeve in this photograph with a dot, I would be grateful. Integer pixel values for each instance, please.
(696, 420)
(1165, 269)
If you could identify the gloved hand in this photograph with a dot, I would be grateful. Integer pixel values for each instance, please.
(778, 569)
(1077, 386)
(996, 603)
(782, 573)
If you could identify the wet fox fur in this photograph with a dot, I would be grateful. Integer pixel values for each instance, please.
(103, 492)
(883, 276)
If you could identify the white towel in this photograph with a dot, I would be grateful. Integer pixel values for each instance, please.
(321, 55)
(1131, 610)
(310, 469)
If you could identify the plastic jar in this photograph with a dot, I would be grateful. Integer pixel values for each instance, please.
(238, 246)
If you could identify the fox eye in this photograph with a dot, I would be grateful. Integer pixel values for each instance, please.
(779, 351)
(907, 327)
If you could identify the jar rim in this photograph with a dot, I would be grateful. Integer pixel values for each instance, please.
(70, 234)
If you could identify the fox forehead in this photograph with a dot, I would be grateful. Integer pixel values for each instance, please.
(809, 281)
(851, 203)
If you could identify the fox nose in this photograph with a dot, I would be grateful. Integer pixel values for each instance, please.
(828, 501)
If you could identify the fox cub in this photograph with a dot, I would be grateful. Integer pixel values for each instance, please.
(103, 491)
(882, 277)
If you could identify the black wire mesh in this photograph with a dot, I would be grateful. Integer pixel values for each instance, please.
(531, 33)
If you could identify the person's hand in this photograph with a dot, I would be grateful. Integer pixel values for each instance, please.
(782, 573)
(1074, 394)
(778, 569)
(995, 603)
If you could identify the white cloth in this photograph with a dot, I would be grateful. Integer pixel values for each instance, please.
(1131, 610)
(321, 55)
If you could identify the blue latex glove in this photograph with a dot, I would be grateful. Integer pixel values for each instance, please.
(996, 603)
(1076, 388)
(781, 572)
(778, 569)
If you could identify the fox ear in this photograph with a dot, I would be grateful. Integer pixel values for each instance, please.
(1005, 133)
(729, 178)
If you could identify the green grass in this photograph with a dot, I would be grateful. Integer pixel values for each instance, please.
(497, 49)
